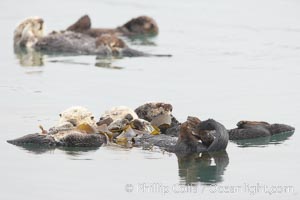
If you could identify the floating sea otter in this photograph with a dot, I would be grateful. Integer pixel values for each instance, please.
(76, 128)
(29, 36)
(255, 129)
(139, 26)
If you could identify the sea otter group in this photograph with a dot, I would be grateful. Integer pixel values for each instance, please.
(81, 39)
(149, 125)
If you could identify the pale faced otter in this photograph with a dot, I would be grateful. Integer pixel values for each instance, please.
(124, 125)
(29, 35)
(29, 32)
(139, 26)
(255, 129)
(77, 115)
(76, 128)
(119, 112)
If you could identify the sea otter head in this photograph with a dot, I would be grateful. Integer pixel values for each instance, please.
(112, 42)
(187, 142)
(77, 115)
(28, 32)
(247, 124)
(141, 25)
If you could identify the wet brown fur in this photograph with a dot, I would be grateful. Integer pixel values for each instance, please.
(110, 41)
(142, 25)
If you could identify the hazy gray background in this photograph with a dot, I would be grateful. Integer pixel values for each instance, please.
(232, 60)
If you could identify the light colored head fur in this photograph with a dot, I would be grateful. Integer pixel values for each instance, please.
(119, 112)
(77, 115)
(28, 32)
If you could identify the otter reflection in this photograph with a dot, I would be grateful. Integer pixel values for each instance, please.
(29, 57)
(264, 141)
(72, 151)
(106, 64)
(205, 167)
(32, 58)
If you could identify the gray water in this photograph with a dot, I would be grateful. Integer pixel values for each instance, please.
(232, 60)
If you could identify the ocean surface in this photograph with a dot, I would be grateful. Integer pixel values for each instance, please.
(232, 60)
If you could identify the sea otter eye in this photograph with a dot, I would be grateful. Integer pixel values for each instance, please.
(60, 114)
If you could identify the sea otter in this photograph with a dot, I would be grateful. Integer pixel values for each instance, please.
(256, 129)
(139, 26)
(29, 36)
(76, 128)
(159, 114)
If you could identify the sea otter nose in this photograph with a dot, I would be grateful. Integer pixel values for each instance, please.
(147, 26)
(40, 21)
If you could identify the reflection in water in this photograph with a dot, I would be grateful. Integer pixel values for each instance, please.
(106, 63)
(206, 168)
(72, 151)
(34, 149)
(68, 61)
(29, 57)
(264, 141)
(76, 152)
(141, 40)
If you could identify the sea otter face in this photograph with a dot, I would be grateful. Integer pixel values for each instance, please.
(27, 32)
(112, 42)
(186, 133)
(119, 113)
(245, 124)
(77, 115)
(142, 25)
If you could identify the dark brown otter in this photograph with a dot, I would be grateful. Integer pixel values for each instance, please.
(189, 142)
(255, 129)
(204, 136)
(142, 25)
(70, 140)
